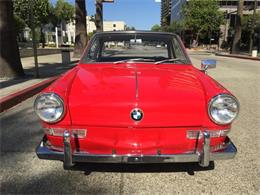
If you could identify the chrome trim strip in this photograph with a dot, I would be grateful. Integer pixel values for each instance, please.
(43, 152)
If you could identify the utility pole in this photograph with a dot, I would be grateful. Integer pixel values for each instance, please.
(252, 30)
(238, 28)
(99, 15)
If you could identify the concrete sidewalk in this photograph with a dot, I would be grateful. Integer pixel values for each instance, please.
(241, 56)
(13, 91)
(245, 56)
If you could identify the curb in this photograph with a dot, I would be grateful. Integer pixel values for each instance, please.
(238, 56)
(17, 97)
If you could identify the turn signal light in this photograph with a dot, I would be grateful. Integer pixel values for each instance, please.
(218, 147)
(197, 134)
(77, 133)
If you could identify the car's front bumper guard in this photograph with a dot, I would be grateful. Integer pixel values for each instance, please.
(69, 158)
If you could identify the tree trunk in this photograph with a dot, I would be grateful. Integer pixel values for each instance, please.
(252, 29)
(197, 37)
(34, 46)
(81, 28)
(238, 28)
(99, 15)
(10, 63)
(42, 37)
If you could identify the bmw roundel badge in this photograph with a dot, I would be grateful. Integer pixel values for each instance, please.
(137, 114)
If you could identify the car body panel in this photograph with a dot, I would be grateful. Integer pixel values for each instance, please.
(108, 93)
(99, 98)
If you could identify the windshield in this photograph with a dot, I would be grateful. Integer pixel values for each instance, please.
(126, 47)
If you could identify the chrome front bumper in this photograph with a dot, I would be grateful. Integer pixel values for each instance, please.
(69, 158)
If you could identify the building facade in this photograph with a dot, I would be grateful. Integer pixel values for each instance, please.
(166, 6)
(107, 25)
(67, 34)
(176, 7)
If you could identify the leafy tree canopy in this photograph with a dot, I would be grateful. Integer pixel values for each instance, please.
(247, 21)
(176, 27)
(156, 28)
(202, 16)
(38, 9)
(43, 12)
(19, 24)
(64, 11)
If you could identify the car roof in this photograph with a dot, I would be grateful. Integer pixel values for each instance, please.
(136, 32)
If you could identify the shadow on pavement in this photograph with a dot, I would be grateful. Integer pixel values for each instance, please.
(14, 81)
(20, 129)
(50, 183)
(143, 168)
(51, 69)
(46, 70)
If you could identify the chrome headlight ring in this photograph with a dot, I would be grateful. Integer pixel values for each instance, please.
(223, 109)
(49, 107)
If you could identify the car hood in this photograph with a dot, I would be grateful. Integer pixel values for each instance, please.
(168, 95)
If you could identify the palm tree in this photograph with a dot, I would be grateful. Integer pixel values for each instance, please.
(10, 63)
(81, 28)
(238, 28)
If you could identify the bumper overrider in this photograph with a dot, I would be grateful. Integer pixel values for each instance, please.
(70, 158)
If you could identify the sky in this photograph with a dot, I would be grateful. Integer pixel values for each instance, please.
(141, 14)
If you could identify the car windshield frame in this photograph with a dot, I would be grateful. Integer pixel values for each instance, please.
(173, 42)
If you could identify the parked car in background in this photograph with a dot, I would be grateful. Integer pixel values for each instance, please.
(129, 101)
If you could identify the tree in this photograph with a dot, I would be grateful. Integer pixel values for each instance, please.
(81, 28)
(99, 15)
(238, 28)
(19, 24)
(36, 10)
(202, 17)
(39, 9)
(10, 63)
(156, 28)
(63, 14)
(64, 11)
(252, 29)
(176, 27)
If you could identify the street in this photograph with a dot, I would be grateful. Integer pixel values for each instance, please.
(23, 173)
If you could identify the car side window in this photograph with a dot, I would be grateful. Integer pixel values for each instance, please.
(178, 52)
(93, 52)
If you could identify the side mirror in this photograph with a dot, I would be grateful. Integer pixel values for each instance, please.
(208, 64)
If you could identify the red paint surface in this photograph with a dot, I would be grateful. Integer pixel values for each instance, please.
(100, 97)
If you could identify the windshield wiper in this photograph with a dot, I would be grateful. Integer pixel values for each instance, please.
(170, 60)
(134, 60)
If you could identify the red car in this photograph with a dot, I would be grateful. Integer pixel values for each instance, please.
(135, 97)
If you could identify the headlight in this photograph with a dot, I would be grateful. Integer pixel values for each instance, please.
(49, 107)
(223, 109)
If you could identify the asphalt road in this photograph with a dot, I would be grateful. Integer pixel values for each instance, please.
(22, 172)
